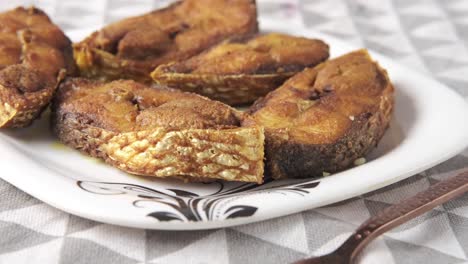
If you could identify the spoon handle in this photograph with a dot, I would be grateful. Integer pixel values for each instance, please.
(400, 213)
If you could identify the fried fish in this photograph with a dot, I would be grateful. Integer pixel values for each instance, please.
(158, 132)
(324, 118)
(34, 56)
(133, 47)
(239, 72)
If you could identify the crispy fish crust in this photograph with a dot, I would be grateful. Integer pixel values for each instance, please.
(324, 118)
(34, 54)
(158, 132)
(133, 47)
(239, 72)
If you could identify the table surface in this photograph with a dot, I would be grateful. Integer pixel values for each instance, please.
(428, 35)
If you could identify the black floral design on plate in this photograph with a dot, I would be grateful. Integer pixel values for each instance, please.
(182, 205)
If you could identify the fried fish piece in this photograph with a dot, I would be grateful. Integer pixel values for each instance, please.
(133, 47)
(239, 72)
(324, 118)
(34, 55)
(158, 132)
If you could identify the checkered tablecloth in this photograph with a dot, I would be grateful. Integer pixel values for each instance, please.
(428, 35)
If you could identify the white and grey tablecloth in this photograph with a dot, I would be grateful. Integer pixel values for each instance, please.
(428, 35)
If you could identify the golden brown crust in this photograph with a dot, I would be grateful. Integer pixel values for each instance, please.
(158, 132)
(132, 48)
(240, 71)
(326, 117)
(34, 54)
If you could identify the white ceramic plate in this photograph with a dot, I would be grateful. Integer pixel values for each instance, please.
(428, 128)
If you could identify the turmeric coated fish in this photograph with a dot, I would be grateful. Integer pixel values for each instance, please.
(324, 118)
(158, 132)
(34, 56)
(239, 72)
(133, 47)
